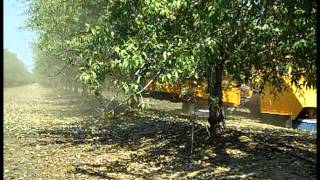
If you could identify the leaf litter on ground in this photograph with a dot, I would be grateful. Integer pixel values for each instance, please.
(49, 136)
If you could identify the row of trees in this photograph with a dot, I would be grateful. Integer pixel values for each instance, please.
(14, 71)
(135, 41)
(53, 72)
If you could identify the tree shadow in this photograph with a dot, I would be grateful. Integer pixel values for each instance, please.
(167, 150)
(159, 147)
(100, 174)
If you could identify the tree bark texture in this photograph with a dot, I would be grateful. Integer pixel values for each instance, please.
(216, 114)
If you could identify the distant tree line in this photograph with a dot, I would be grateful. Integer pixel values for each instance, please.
(15, 72)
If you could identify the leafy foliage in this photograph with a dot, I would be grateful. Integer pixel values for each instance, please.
(50, 71)
(133, 42)
(14, 71)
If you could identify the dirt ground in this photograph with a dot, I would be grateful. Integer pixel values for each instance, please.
(51, 134)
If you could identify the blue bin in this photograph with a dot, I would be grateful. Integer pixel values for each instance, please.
(307, 124)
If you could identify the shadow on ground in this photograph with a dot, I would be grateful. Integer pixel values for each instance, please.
(150, 145)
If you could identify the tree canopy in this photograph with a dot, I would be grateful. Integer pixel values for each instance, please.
(132, 42)
(14, 71)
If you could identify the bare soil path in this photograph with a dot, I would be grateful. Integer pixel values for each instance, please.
(52, 134)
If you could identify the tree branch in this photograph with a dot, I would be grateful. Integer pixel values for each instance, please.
(139, 92)
(59, 72)
(148, 84)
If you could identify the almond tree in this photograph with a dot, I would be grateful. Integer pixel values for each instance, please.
(137, 42)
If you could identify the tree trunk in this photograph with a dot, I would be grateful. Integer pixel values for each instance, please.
(84, 91)
(216, 114)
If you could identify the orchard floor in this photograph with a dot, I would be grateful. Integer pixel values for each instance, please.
(51, 134)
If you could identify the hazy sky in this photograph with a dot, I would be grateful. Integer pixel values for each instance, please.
(15, 39)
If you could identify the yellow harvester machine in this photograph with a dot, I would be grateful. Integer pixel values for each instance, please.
(288, 103)
(293, 103)
(232, 92)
